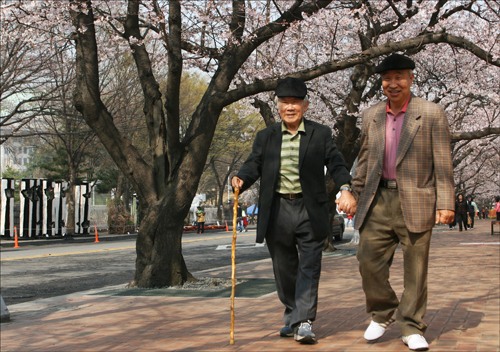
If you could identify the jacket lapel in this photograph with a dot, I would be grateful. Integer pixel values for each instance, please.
(411, 124)
(304, 141)
(276, 138)
(379, 121)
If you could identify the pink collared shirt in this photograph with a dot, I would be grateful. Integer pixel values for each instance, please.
(393, 127)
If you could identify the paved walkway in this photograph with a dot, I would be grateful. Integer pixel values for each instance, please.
(463, 310)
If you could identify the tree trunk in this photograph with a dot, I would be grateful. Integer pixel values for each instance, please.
(166, 189)
(70, 200)
(220, 203)
(159, 260)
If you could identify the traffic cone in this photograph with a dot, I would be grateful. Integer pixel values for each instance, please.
(16, 243)
(96, 236)
(227, 228)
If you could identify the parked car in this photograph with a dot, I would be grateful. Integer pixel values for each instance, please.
(338, 226)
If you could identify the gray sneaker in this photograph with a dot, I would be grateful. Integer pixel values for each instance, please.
(304, 333)
(286, 331)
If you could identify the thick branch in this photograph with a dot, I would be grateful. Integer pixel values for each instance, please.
(467, 136)
(265, 111)
(361, 58)
(153, 109)
(87, 100)
(237, 25)
(232, 60)
(173, 81)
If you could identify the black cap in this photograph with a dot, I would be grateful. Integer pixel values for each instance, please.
(395, 62)
(291, 87)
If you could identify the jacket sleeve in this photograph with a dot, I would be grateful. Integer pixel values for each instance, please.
(335, 162)
(359, 180)
(443, 165)
(251, 170)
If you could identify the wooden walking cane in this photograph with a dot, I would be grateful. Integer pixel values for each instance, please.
(233, 265)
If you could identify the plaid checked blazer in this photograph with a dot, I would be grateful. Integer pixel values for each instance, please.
(424, 169)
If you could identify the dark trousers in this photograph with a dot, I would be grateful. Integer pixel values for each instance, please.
(296, 256)
(383, 229)
(201, 227)
(454, 223)
(462, 219)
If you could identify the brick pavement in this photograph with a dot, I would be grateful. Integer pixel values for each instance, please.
(463, 310)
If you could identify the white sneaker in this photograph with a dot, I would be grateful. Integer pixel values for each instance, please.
(377, 330)
(416, 342)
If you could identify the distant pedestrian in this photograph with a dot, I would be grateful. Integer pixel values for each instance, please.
(461, 212)
(200, 216)
(471, 209)
(244, 219)
(484, 213)
(349, 220)
(497, 207)
(239, 219)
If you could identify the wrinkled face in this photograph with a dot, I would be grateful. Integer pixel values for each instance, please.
(396, 85)
(291, 110)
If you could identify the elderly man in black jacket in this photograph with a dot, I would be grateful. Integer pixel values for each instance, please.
(290, 158)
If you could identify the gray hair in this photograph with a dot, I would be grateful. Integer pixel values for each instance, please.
(277, 100)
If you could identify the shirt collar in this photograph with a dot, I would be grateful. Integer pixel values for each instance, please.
(300, 129)
(387, 108)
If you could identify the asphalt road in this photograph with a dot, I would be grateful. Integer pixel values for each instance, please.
(35, 272)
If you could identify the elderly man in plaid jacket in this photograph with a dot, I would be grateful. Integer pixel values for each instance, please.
(403, 185)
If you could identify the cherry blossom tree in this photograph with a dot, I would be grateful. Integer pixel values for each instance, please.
(245, 47)
(24, 65)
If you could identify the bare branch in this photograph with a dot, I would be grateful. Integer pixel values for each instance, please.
(456, 136)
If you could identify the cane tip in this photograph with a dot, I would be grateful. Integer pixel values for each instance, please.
(231, 342)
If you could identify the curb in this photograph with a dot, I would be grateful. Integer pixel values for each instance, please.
(67, 240)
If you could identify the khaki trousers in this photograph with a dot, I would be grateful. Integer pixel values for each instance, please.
(382, 230)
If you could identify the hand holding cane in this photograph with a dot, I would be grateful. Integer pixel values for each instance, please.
(233, 265)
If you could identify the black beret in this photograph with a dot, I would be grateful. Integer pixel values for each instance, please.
(395, 62)
(291, 87)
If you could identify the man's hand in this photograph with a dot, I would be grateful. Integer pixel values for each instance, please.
(347, 203)
(444, 216)
(236, 182)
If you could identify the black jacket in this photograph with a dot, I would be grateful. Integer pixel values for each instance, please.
(461, 207)
(317, 150)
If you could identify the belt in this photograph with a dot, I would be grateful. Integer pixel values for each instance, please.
(392, 184)
(290, 195)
